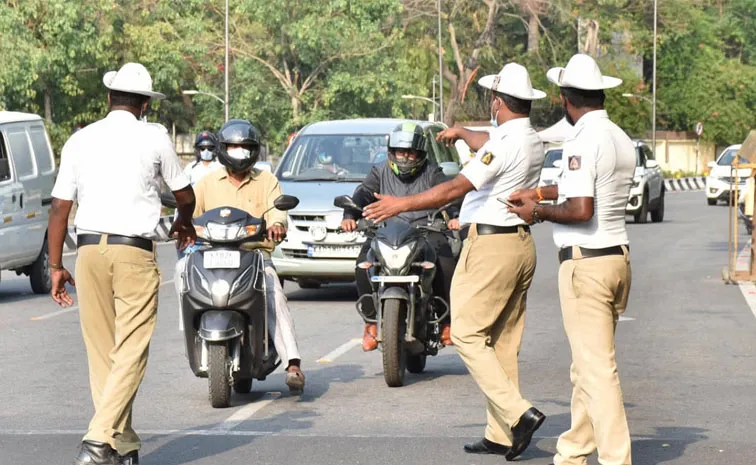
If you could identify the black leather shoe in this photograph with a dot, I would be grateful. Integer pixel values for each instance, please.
(523, 431)
(96, 453)
(484, 446)
(132, 458)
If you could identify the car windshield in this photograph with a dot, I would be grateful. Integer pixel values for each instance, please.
(333, 157)
(728, 157)
(551, 157)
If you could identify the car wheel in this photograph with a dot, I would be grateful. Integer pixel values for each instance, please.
(711, 202)
(40, 276)
(642, 215)
(657, 216)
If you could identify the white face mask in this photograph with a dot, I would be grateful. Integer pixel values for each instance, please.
(239, 153)
(206, 155)
(494, 118)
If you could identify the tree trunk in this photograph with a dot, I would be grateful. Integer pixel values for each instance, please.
(48, 105)
(534, 33)
(295, 109)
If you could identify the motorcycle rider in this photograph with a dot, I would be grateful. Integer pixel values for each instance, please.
(242, 186)
(407, 171)
(205, 158)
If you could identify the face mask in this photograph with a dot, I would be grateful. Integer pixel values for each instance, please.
(206, 155)
(494, 118)
(239, 153)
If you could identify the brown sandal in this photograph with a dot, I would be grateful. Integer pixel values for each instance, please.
(295, 380)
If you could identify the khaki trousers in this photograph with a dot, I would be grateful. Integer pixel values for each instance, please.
(488, 300)
(117, 287)
(593, 293)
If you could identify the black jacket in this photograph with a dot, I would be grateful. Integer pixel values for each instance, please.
(383, 181)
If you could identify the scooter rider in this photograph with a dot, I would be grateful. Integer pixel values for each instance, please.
(406, 172)
(205, 158)
(242, 186)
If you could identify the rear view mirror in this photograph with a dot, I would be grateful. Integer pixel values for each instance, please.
(286, 202)
(345, 202)
(711, 164)
(450, 168)
(557, 163)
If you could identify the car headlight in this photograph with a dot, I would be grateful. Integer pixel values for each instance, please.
(225, 232)
(395, 258)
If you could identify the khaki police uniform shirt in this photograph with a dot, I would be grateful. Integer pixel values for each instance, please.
(114, 168)
(254, 195)
(598, 160)
(511, 159)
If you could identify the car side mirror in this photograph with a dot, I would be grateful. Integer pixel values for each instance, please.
(711, 164)
(652, 163)
(557, 163)
(345, 202)
(449, 168)
(285, 202)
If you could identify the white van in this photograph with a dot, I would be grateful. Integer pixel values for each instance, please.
(27, 175)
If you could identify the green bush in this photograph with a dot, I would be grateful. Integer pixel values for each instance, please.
(679, 174)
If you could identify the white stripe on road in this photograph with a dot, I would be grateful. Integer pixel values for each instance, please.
(626, 318)
(75, 308)
(339, 351)
(246, 412)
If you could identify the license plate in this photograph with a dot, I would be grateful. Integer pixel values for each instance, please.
(221, 259)
(395, 279)
(333, 251)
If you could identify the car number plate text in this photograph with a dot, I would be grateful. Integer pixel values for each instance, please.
(221, 259)
(333, 251)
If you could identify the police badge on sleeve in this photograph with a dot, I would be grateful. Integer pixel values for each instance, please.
(573, 162)
(487, 158)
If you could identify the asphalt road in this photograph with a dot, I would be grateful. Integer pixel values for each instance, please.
(686, 351)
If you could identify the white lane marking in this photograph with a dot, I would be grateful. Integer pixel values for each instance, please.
(339, 351)
(75, 308)
(159, 244)
(246, 412)
(626, 318)
(747, 288)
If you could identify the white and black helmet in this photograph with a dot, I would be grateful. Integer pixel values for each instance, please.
(409, 136)
(238, 132)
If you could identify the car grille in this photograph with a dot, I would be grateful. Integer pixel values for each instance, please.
(303, 222)
(291, 253)
(731, 180)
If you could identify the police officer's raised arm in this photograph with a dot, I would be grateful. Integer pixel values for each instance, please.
(178, 183)
(63, 193)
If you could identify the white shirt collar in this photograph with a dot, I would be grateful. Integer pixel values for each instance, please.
(122, 115)
(590, 117)
(511, 126)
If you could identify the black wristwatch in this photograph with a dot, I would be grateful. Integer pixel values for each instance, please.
(534, 214)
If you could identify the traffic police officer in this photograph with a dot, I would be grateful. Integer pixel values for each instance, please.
(114, 169)
(497, 263)
(598, 163)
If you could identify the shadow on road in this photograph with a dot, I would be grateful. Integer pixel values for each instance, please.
(330, 293)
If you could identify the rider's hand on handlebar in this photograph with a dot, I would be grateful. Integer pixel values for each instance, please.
(348, 225)
(453, 224)
(185, 235)
(276, 232)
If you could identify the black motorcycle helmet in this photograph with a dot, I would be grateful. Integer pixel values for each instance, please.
(238, 132)
(410, 136)
(205, 140)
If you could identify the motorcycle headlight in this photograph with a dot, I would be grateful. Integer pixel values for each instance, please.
(226, 232)
(395, 258)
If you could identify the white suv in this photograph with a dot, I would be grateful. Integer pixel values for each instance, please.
(647, 191)
(719, 181)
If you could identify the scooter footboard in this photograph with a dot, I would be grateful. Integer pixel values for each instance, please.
(221, 325)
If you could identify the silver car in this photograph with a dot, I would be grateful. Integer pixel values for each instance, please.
(325, 160)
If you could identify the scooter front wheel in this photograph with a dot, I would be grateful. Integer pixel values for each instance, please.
(219, 375)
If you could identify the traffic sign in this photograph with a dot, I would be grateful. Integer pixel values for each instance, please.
(699, 129)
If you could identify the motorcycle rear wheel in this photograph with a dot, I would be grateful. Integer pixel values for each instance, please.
(394, 354)
(219, 377)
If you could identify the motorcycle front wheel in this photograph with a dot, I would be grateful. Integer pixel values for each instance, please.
(394, 354)
(219, 376)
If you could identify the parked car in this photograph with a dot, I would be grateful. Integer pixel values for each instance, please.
(314, 251)
(647, 190)
(719, 182)
(27, 175)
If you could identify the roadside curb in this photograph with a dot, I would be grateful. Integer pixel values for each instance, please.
(696, 183)
(164, 226)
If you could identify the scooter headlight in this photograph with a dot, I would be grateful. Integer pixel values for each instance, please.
(395, 258)
(227, 232)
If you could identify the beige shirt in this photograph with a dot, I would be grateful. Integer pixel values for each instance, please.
(254, 195)
(511, 159)
(114, 169)
(598, 160)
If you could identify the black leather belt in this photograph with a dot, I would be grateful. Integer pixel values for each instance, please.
(566, 253)
(486, 229)
(114, 239)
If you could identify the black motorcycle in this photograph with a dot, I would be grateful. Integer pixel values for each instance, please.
(224, 305)
(401, 265)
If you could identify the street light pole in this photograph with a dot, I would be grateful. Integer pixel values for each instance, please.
(225, 68)
(653, 104)
(440, 66)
